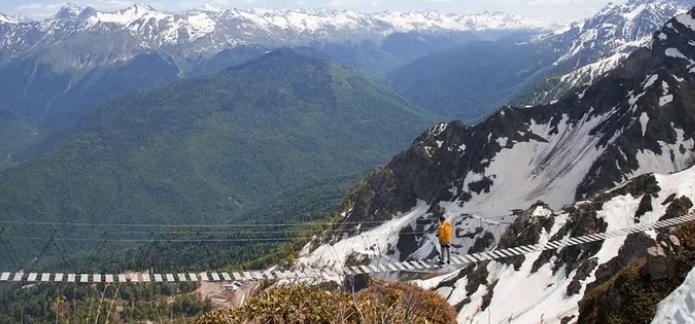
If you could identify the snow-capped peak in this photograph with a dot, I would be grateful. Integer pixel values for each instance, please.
(299, 21)
(620, 24)
(12, 19)
(600, 43)
(68, 11)
(209, 8)
(141, 7)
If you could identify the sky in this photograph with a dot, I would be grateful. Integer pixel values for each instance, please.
(562, 11)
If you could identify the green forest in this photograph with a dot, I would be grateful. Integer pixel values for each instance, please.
(221, 150)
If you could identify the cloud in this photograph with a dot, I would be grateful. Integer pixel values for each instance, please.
(553, 2)
(39, 10)
(45, 10)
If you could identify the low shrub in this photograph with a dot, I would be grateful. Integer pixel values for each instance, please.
(382, 302)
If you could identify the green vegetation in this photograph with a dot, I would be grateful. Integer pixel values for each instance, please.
(471, 81)
(77, 304)
(208, 151)
(45, 103)
(16, 132)
(382, 302)
(532, 96)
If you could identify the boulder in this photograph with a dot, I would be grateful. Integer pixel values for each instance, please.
(660, 263)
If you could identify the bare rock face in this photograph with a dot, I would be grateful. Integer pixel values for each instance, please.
(659, 266)
(583, 272)
(661, 261)
(635, 247)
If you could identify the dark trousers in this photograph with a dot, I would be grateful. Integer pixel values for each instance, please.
(445, 246)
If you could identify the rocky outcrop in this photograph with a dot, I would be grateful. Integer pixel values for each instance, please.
(660, 265)
(583, 272)
(661, 258)
(635, 247)
(526, 230)
(632, 295)
(584, 222)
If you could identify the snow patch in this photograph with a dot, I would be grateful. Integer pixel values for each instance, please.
(651, 162)
(676, 301)
(675, 53)
(373, 244)
(650, 81)
(644, 120)
(687, 21)
(581, 95)
(549, 170)
(521, 295)
(541, 211)
(438, 129)
(632, 99)
(665, 100)
(433, 282)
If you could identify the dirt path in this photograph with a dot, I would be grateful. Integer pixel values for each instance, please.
(222, 298)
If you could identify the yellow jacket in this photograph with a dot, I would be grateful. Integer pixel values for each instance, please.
(445, 232)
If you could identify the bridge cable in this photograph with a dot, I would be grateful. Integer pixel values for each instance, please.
(154, 241)
(111, 248)
(7, 250)
(96, 252)
(63, 254)
(48, 244)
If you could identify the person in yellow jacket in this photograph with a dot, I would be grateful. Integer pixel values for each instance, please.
(445, 229)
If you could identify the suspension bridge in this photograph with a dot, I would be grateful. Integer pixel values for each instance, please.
(458, 261)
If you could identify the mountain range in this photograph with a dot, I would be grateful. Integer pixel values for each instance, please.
(582, 165)
(600, 43)
(537, 70)
(58, 70)
(417, 52)
(207, 30)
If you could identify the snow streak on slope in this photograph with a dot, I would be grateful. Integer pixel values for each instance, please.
(373, 244)
(668, 161)
(588, 74)
(549, 168)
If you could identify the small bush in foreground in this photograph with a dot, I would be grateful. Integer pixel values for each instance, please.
(382, 302)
